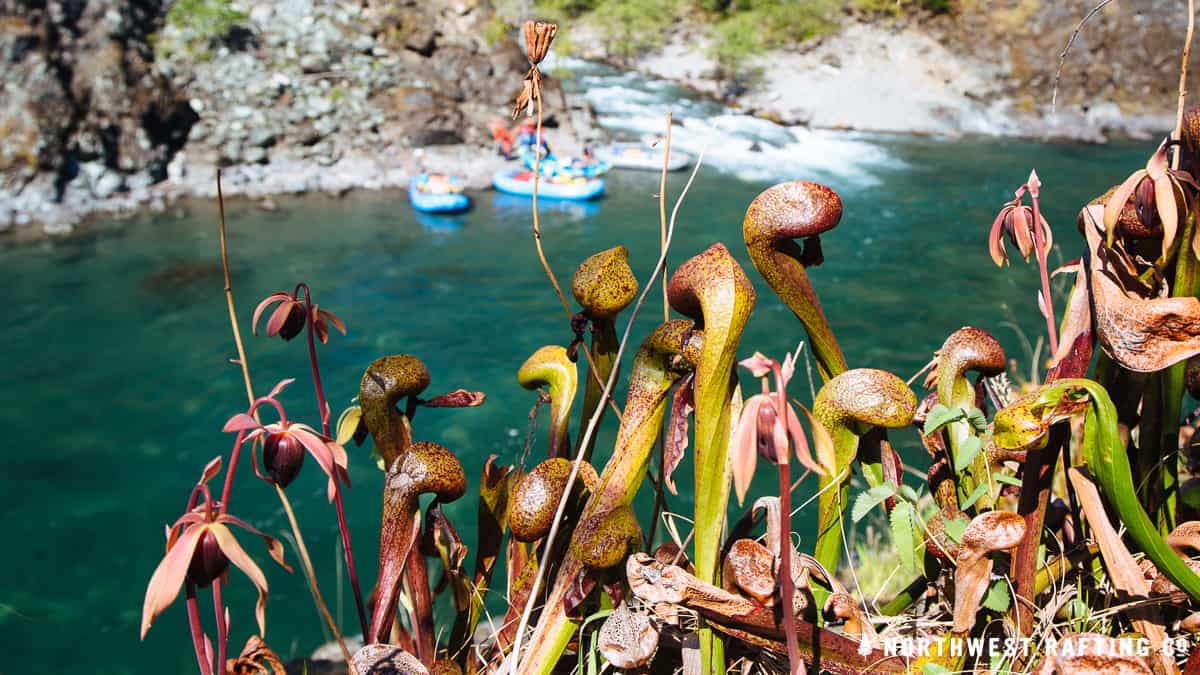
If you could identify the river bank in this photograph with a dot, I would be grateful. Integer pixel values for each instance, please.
(900, 79)
(113, 112)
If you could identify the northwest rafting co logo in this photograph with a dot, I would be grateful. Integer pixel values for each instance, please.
(1010, 647)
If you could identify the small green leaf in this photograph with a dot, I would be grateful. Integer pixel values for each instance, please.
(978, 492)
(954, 529)
(904, 535)
(934, 669)
(997, 598)
(910, 494)
(347, 424)
(968, 450)
(1006, 479)
(939, 416)
(870, 499)
(977, 419)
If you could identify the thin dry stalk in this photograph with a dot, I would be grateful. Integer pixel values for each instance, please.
(301, 549)
(312, 577)
(662, 214)
(659, 496)
(595, 419)
(237, 334)
(1062, 58)
(537, 241)
(1183, 68)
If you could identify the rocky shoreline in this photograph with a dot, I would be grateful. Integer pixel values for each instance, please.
(299, 97)
(838, 83)
(115, 109)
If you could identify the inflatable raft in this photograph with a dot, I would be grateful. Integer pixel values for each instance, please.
(437, 193)
(520, 182)
(572, 167)
(642, 156)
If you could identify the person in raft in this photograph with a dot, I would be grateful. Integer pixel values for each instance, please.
(527, 135)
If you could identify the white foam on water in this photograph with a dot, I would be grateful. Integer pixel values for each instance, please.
(753, 149)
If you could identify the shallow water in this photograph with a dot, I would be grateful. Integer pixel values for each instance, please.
(116, 379)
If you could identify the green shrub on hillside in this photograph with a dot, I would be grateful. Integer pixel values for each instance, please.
(740, 29)
(760, 25)
(196, 24)
(897, 7)
(633, 26)
(626, 27)
(204, 19)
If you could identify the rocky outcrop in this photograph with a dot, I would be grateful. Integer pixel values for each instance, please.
(321, 81)
(84, 112)
(985, 68)
(290, 96)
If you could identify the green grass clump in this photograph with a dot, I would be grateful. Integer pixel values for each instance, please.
(200, 22)
(631, 27)
(898, 7)
(761, 25)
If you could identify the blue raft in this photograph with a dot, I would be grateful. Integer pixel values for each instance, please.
(570, 167)
(520, 182)
(437, 194)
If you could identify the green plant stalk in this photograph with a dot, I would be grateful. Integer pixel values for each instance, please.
(712, 289)
(1106, 458)
(1035, 496)
(244, 364)
(604, 352)
(1145, 468)
(1056, 568)
(1187, 283)
(905, 598)
(656, 367)
(967, 349)
(848, 406)
(493, 521)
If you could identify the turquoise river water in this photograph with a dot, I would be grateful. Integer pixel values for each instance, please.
(115, 378)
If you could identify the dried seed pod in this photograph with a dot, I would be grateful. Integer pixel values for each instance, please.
(857, 625)
(378, 658)
(525, 98)
(628, 639)
(987, 533)
(1160, 585)
(1185, 538)
(256, 659)
(445, 666)
(538, 37)
(750, 567)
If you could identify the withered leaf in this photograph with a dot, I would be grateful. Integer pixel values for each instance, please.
(676, 442)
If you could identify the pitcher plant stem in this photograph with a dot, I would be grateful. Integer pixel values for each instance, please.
(301, 549)
(344, 530)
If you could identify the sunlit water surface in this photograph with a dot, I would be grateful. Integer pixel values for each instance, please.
(116, 379)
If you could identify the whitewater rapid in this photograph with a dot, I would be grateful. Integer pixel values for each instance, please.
(631, 105)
